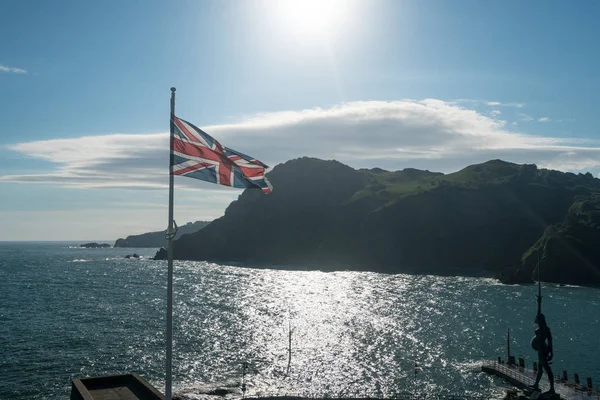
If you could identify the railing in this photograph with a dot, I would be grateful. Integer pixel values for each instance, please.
(363, 396)
(566, 389)
(520, 374)
(526, 377)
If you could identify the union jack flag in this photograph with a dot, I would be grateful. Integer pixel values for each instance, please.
(197, 155)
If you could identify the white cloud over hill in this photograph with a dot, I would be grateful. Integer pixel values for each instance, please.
(430, 134)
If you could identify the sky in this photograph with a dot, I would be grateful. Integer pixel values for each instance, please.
(430, 84)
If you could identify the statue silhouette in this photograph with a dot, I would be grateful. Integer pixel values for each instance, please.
(542, 343)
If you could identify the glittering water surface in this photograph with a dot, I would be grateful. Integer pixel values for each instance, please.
(67, 312)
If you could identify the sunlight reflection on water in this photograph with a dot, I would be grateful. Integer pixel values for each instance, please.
(353, 333)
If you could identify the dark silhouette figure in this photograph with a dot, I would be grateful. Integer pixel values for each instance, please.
(542, 343)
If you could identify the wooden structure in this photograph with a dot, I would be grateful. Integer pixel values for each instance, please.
(114, 387)
(522, 378)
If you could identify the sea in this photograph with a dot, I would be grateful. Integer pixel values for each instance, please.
(68, 312)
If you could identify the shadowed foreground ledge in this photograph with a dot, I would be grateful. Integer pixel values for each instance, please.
(114, 387)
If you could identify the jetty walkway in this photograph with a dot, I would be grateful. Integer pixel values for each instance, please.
(398, 396)
(521, 377)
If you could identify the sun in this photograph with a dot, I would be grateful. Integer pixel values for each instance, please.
(311, 17)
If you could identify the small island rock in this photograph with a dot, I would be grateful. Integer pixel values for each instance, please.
(161, 254)
(95, 245)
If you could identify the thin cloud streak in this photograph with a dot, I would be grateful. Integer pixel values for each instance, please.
(486, 103)
(13, 70)
(525, 117)
(430, 134)
(499, 104)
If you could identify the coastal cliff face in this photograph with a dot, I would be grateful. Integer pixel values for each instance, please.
(569, 251)
(483, 219)
(158, 239)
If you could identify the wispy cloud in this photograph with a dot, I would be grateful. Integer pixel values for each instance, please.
(430, 133)
(544, 119)
(12, 70)
(475, 102)
(499, 104)
(525, 117)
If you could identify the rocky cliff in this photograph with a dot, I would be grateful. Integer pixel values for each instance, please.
(483, 219)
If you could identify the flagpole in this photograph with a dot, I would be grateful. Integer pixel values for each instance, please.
(170, 237)
(539, 296)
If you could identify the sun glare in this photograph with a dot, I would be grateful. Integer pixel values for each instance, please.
(311, 17)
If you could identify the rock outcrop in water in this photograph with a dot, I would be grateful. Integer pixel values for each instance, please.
(481, 220)
(157, 239)
(94, 245)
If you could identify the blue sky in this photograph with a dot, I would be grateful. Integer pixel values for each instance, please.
(427, 84)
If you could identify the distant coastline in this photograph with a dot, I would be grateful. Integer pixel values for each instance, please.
(73, 242)
(158, 238)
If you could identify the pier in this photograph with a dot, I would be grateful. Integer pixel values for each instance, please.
(522, 378)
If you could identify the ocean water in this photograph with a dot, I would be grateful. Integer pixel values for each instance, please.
(70, 312)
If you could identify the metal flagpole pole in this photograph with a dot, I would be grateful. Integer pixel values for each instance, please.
(508, 344)
(539, 296)
(170, 237)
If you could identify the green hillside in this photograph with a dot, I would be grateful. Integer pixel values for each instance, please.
(483, 219)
